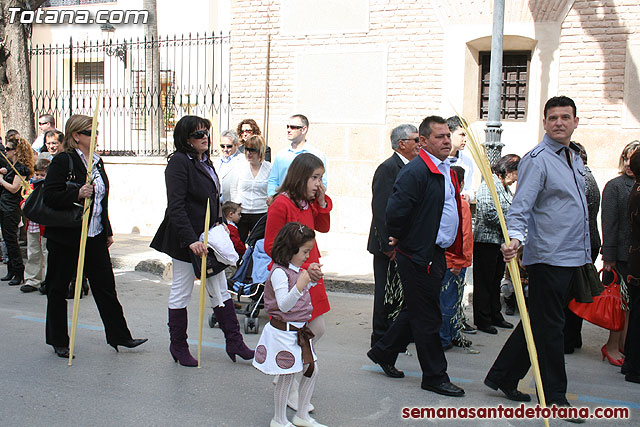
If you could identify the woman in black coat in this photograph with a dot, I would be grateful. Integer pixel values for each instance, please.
(191, 181)
(63, 243)
(616, 240)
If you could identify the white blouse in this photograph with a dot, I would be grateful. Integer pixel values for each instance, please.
(251, 191)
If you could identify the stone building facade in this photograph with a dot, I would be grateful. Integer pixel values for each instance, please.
(361, 67)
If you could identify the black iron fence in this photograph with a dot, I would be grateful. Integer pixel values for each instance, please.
(147, 86)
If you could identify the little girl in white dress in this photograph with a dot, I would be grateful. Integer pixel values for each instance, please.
(285, 344)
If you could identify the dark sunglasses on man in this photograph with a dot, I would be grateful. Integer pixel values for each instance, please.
(294, 127)
(223, 146)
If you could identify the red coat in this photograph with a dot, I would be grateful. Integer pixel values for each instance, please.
(235, 238)
(282, 211)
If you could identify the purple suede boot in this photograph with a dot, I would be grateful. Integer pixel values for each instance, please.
(228, 321)
(178, 332)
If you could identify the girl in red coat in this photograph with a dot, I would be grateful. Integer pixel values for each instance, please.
(302, 198)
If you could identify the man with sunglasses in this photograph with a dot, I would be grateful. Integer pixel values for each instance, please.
(297, 128)
(46, 122)
(404, 143)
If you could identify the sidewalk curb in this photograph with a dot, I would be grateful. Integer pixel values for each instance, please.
(331, 283)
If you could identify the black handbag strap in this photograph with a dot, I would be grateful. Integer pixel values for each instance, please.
(70, 176)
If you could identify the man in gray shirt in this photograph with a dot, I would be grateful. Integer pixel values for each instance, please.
(550, 208)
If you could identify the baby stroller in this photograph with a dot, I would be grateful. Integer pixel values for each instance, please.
(247, 284)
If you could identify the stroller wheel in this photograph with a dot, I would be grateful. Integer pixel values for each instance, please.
(212, 320)
(251, 325)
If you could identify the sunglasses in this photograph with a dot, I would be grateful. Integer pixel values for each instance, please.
(43, 123)
(223, 146)
(7, 149)
(250, 150)
(199, 134)
(294, 127)
(247, 131)
(87, 132)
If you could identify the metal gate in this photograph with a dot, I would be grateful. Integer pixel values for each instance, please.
(147, 86)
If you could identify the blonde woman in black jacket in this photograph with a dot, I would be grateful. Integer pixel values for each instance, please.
(63, 243)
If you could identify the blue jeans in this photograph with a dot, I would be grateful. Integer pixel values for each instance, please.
(451, 294)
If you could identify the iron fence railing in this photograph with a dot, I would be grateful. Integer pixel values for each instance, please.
(146, 84)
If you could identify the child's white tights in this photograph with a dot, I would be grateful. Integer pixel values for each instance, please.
(317, 326)
(281, 391)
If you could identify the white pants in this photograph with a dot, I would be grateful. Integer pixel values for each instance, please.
(182, 286)
(35, 269)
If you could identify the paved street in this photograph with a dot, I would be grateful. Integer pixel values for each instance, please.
(144, 387)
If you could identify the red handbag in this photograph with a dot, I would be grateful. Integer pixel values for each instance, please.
(607, 309)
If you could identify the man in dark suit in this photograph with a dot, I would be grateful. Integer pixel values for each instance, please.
(423, 219)
(404, 142)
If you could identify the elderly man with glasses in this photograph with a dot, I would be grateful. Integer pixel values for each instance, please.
(227, 163)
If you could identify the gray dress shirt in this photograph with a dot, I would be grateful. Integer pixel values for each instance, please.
(550, 207)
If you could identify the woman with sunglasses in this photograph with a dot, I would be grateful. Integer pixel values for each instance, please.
(251, 188)
(20, 155)
(246, 129)
(191, 180)
(63, 243)
(227, 164)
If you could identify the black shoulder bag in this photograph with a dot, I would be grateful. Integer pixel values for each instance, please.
(35, 209)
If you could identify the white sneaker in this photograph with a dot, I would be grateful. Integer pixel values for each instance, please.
(274, 423)
(299, 422)
(292, 402)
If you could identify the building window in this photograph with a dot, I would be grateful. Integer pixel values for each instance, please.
(515, 78)
(89, 72)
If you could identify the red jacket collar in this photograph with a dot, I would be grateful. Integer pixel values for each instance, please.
(427, 160)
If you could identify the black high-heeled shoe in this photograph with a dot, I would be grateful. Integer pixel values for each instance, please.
(130, 343)
(10, 275)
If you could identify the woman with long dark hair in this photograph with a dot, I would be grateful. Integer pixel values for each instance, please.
(191, 180)
(20, 154)
(63, 243)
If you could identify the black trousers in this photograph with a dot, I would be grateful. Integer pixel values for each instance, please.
(246, 223)
(632, 342)
(9, 222)
(548, 290)
(488, 271)
(61, 267)
(420, 317)
(381, 321)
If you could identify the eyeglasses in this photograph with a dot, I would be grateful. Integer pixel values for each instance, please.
(223, 146)
(87, 132)
(416, 140)
(247, 131)
(294, 127)
(199, 134)
(250, 150)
